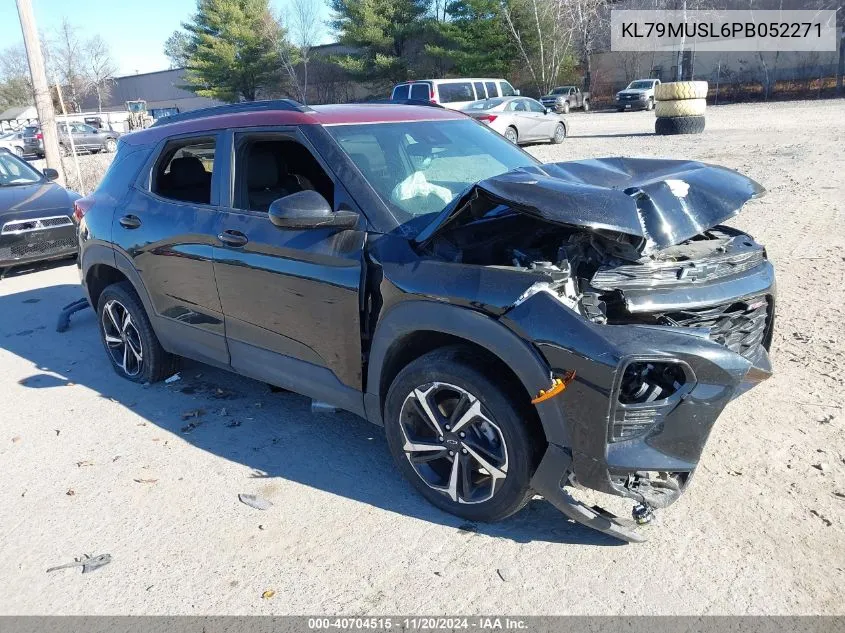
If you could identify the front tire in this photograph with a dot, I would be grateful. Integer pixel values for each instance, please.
(560, 134)
(460, 437)
(566, 107)
(128, 337)
(110, 145)
(586, 106)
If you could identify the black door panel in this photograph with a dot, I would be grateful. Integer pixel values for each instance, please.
(293, 293)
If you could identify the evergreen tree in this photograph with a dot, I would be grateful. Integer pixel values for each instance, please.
(233, 49)
(381, 30)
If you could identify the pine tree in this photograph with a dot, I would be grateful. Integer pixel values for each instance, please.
(233, 49)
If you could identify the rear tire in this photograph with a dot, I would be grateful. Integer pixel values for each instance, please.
(512, 135)
(667, 126)
(19, 152)
(128, 337)
(454, 386)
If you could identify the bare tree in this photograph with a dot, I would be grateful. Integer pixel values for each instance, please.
(101, 69)
(15, 82)
(303, 29)
(589, 19)
(542, 31)
(69, 60)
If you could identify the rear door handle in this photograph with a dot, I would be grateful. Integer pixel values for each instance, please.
(233, 238)
(130, 221)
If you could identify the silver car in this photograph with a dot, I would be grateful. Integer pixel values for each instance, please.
(519, 119)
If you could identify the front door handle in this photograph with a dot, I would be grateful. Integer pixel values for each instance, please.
(233, 238)
(130, 221)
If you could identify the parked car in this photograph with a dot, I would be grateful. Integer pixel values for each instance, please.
(516, 327)
(35, 214)
(519, 119)
(639, 95)
(564, 98)
(13, 141)
(86, 138)
(454, 94)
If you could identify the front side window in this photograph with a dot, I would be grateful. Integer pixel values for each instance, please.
(16, 172)
(183, 171)
(400, 92)
(455, 92)
(507, 89)
(535, 107)
(420, 167)
(272, 166)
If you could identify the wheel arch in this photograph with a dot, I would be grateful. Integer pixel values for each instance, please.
(414, 328)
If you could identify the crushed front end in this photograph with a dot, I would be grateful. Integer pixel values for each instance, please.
(662, 313)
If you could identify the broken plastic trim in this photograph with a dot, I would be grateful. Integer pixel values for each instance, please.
(557, 387)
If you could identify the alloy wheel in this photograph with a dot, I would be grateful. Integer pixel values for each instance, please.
(452, 443)
(510, 134)
(560, 133)
(122, 338)
(110, 145)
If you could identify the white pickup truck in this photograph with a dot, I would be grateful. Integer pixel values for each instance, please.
(639, 95)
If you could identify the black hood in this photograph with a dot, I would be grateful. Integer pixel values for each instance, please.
(21, 201)
(663, 201)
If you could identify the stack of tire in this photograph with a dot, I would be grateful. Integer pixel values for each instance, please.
(679, 107)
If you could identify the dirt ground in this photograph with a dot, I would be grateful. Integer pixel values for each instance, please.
(94, 464)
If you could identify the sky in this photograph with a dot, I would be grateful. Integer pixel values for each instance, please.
(134, 29)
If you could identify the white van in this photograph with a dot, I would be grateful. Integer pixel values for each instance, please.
(454, 94)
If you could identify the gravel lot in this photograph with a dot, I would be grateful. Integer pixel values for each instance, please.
(94, 464)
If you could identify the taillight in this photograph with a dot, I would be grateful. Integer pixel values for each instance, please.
(487, 118)
(81, 207)
(39, 136)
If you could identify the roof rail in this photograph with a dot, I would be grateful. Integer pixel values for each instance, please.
(413, 102)
(288, 105)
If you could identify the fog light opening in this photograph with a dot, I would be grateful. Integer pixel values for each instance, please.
(645, 382)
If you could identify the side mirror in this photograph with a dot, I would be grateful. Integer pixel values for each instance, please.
(516, 92)
(309, 210)
(50, 173)
(548, 110)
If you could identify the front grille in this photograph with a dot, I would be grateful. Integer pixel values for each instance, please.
(16, 227)
(740, 326)
(37, 246)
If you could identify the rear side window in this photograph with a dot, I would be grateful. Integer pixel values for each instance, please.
(400, 92)
(491, 89)
(457, 91)
(507, 89)
(421, 92)
(183, 171)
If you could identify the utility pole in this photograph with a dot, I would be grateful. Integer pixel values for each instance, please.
(43, 101)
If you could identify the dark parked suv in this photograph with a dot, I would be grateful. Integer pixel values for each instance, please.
(79, 136)
(515, 327)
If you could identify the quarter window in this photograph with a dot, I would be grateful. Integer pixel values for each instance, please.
(491, 89)
(183, 171)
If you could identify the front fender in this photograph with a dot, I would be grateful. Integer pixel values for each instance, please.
(412, 316)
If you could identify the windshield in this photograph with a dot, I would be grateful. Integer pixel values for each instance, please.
(562, 90)
(14, 171)
(418, 168)
(640, 85)
(486, 104)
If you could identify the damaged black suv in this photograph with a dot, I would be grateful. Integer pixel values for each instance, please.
(515, 327)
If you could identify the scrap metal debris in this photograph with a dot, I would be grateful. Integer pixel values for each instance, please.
(145, 481)
(174, 378)
(255, 502)
(88, 563)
